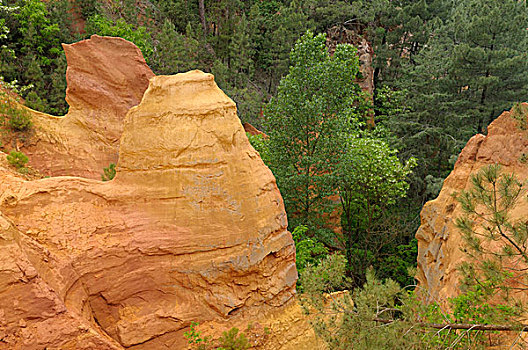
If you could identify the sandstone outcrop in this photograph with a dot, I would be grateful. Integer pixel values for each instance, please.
(106, 77)
(439, 241)
(192, 228)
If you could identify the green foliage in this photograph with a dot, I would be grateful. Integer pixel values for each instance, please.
(109, 173)
(474, 307)
(462, 77)
(318, 104)
(328, 276)
(12, 113)
(519, 112)
(261, 145)
(382, 315)
(495, 244)
(347, 320)
(102, 25)
(308, 250)
(32, 37)
(19, 119)
(232, 340)
(87, 7)
(175, 52)
(395, 261)
(370, 177)
(17, 159)
(194, 337)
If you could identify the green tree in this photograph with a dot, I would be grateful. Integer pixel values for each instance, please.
(86, 8)
(382, 315)
(308, 251)
(235, 74)
(179, 12)
(275, 27)
(370, 178)
(174, 52)
(102, 25)
(31, 51)
(496, 245)
(472, 68)
(317, 107)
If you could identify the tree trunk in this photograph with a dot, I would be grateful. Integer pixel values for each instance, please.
(201, 9)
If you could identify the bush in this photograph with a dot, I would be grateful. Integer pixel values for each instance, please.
(308, 250)
(18, 119)
(101, 25)
(109, 173)
(261, 145)
(195, 339)
(17, 159)
(231, 340)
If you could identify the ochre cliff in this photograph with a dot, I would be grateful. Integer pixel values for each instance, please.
(439, 241)
(105, 76)
(192, 228)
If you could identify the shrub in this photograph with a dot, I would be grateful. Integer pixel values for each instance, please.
(17, 159)
(109, 173)
(519, 112)
(308, 250)
(231, 340)
(195, 339)
(19, 120)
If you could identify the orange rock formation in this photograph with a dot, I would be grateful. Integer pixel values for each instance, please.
(439, 241)
(192, 228)
(106, 76)
(253, 131)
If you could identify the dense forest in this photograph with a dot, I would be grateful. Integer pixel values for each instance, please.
(442, 71)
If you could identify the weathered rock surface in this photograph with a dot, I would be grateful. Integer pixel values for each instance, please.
(192, 228)
(439, 241)
(106, 77)
(341, 35)
(253, 131)
(287, 329)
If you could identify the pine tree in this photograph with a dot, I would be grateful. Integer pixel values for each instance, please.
(496, 245)
(472, 68)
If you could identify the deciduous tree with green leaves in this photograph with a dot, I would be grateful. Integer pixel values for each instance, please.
(370, 178)
(317, 108)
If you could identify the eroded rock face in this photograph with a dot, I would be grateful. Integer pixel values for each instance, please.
(439, 241)
(106, 77)
(192, 228)
(253, 131)
(340, 35)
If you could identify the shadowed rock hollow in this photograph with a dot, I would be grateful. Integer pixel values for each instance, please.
(192, 228)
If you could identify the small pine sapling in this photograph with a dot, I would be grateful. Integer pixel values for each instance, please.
(496, 244)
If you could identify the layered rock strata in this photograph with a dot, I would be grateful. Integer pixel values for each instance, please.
(440, 243)
(106, 76)
(192, 228)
